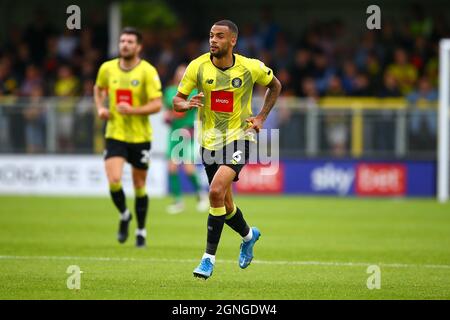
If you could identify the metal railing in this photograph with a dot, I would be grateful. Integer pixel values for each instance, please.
(49, 125)
(331, 127)
(355, 127)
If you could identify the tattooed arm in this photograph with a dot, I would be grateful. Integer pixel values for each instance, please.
(272, 93)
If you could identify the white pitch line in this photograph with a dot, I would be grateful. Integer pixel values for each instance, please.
(273, 262)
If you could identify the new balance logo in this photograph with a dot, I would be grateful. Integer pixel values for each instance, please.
(209, 81)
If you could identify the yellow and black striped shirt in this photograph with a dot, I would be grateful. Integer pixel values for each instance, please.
(228, 96)
(137, 87)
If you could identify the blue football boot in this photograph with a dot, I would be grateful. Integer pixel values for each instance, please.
(246, 254)
(204, 269)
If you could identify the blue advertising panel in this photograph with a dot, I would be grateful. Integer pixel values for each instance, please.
(349, 178)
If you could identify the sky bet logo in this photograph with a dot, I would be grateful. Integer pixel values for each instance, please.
(369, 179)
(331, 178)
(381, 179)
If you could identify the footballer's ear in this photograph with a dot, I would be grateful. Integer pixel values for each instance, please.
(233, 39)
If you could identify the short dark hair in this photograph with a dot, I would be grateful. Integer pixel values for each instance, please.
(131, 30)
(230, 24)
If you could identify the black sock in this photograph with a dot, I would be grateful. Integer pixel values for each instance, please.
(141, 207)
(238, 224)
(118, 197)
(215, 226)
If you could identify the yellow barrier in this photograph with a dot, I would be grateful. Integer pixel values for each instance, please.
(370, 103)
(357, 134)
(358, 105)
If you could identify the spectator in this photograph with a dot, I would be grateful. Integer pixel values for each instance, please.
(9, 84)
(281, 53)
(335, 122)
(249, 43)
(33, 79)
(322, 71)
(350, 73)
(34, 114)
(67, 43)
(423, 120)
(420, 53)
(336, 133)
(431, 69)
(51, 60)
(310, 91)
(84, 134)
(286, 79)
(23, 60)
(424, 93)
(87, 70)
(403, 71)
(383, 124)
(66, 87)
(390, 87)
(10, 118)
(268, 29)
(373, 68)
(335, 88)
(302, 68)
(367, 47)
(66, 84)
(362, 87)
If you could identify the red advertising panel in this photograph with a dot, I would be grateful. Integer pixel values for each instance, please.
(257, 178)
(380, 179)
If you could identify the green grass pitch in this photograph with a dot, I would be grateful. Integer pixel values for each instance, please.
(310, 248)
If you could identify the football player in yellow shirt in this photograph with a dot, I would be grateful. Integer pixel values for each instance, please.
(225, 83)
(133, 89)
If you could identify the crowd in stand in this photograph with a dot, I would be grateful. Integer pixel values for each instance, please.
(327, 60)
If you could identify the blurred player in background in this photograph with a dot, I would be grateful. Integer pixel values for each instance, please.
(225, 83)
(181, 126)
(133, 90)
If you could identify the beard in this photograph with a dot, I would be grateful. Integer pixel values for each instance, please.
(128, 55)
(219, 53)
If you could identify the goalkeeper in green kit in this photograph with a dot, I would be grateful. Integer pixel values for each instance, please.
(180, 150)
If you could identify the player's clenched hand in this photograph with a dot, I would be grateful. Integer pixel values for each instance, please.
(124, 108)
(103, 113)
(196, 101)
(255, 123)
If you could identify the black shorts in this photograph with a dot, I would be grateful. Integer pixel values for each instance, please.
(234, 155)
(137, 154)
